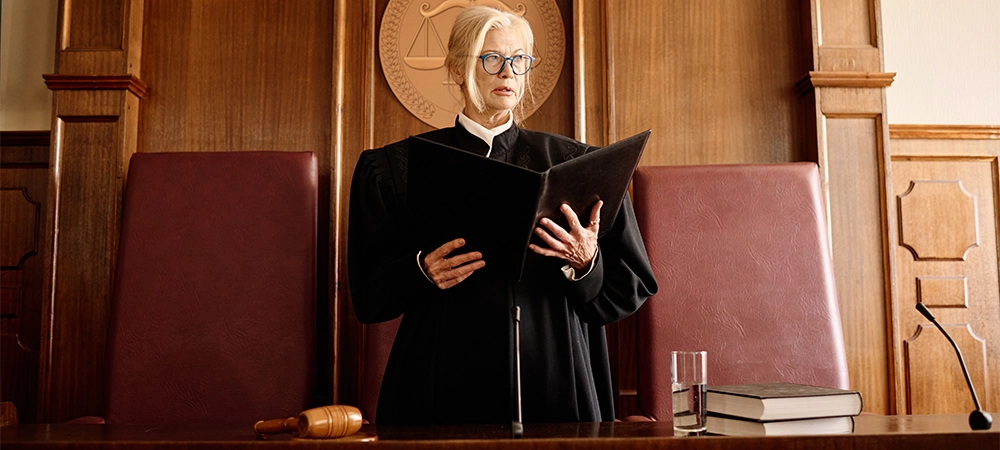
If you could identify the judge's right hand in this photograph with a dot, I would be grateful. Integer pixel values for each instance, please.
(446, 271)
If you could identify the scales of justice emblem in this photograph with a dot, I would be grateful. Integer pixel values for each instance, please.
(413, 43)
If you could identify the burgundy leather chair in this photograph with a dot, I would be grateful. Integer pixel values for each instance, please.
(378, 343)
(214, 308)
(741, 254)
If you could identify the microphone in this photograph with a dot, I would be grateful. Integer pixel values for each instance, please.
(978, 419)
(516, 427)
(326, 422)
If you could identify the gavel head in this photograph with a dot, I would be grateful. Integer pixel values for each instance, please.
(329, 422)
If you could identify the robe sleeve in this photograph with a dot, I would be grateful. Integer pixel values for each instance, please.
(621, 280)
(382, 266)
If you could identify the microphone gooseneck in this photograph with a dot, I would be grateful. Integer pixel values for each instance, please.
(978, 419)
(516, 427)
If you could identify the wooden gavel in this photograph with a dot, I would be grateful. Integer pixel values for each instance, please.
(325, 422)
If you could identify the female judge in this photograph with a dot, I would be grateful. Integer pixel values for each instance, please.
(452, 359)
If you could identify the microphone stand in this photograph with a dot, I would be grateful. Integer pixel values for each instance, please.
(516, 427)
(978, 419)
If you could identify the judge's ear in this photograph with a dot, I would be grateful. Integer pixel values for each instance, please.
(457, 76)
(457, 71)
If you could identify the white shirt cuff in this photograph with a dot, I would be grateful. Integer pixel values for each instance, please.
(421, 267)
(570, 273)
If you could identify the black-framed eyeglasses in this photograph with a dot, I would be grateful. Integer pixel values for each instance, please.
(494, 63)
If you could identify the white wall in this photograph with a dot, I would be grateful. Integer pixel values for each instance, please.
(946, 55)
(27, 50)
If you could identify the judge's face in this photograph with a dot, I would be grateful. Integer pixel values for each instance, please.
(501, 92)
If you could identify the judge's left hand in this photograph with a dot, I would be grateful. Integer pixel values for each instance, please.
(578, 246)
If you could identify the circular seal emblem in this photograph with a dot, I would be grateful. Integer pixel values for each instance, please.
(413, 43)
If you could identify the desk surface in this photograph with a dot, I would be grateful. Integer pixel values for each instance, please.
(934, 432)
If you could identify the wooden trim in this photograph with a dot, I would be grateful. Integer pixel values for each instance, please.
(590, 113)
(24, 157)
(579, 73)
(339, 59)
(944, 132)
(609, 69)
(24, 149)
(845, 79)
(128, 82)
(38, 138)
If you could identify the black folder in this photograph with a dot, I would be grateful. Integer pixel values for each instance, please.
(495, 206)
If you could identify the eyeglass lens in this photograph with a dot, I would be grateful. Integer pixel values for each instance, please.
(494, 63)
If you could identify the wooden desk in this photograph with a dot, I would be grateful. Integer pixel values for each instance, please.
(934, 432)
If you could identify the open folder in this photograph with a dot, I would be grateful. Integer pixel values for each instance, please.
(495, 206)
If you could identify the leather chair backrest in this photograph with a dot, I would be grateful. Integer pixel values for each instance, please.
(378, 344)
(214, 307)
(741, 254)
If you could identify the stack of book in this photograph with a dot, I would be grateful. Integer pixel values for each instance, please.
(775, 409)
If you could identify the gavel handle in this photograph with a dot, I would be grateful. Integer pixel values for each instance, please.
(276, 426)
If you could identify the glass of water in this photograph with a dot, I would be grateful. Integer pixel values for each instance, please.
(689, 381)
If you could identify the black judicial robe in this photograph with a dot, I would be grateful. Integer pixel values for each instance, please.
(452, 359)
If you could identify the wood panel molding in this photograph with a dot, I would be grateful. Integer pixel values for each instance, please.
(39, 138)
(94, 26)
(84, 200)
(590, 73)
(952, 206)
(943, 292)
(926, 348)
(858, 211)
(937, 220)
(24, 149)
(23, 193)
(944, 131)
(844, 79)
(22, 217)
(128, 82)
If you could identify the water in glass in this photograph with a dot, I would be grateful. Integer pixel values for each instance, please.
(689, 408)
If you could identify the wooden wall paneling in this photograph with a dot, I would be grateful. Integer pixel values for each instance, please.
(852, 160)
(623, 335)
(558, 113)
(590, 74)
(23, 188)
(714, 80)
(237, 76)
(100, 28)
(591, 40)
(353, 124)
(85, 207)
(388, 119)
(947, 191)
(966, 132)
(850, 39)
(851, 140)
(97, 38)
(850, 91)
(95, 114)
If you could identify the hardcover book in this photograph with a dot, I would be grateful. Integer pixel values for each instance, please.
(495, 206)
(734, 426)
(782, 401)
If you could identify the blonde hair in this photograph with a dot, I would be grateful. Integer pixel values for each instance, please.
(466, 41)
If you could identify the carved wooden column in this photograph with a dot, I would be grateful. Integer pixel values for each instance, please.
(96, 96)
(847, 87)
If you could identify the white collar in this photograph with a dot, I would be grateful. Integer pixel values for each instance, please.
(482, 132)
